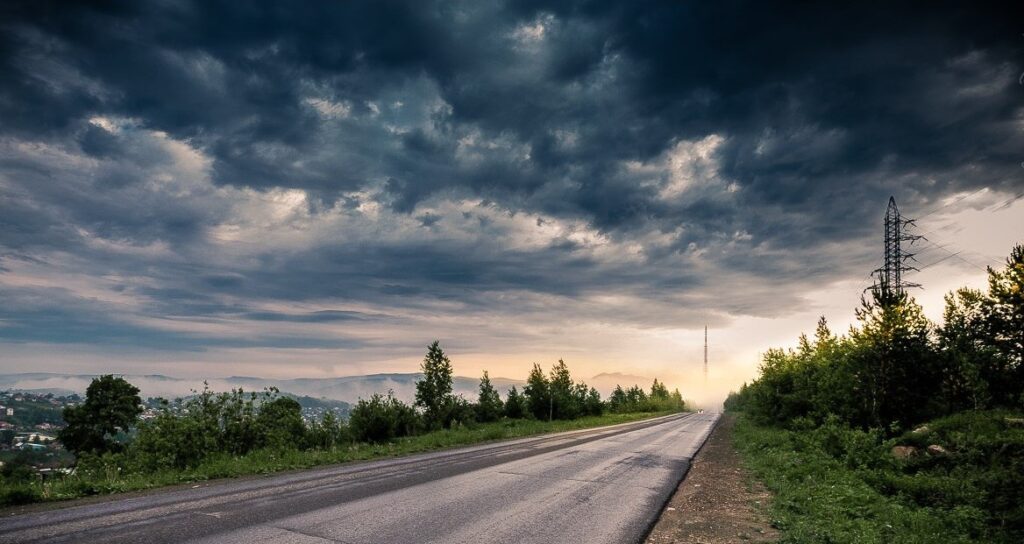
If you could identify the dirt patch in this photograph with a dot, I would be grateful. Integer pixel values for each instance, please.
(717, 502)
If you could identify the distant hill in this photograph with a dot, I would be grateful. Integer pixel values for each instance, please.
(347, 389)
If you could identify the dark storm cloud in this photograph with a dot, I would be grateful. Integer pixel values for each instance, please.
(793, 124)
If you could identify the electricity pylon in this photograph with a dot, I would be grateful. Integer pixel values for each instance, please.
(889, 279)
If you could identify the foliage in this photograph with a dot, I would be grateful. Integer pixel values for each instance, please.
(328, 433)
(112, 406)
(636, 399)
(833, 483)
(820, 421)
(211, 435)
(185, 432)
(557, 397)
(895, 369)
(380, 419)
(538, 394)
(592, 405)
(115, 473)
(566, 401)
(279, 424)
(18, 469)
(489, 406)
(516, 406)
(434, 391)
(1004, 312)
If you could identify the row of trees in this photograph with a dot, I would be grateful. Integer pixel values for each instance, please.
(635, 399)
(895, 368)
(187, 431)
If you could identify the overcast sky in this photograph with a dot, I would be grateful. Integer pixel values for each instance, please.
(208, 188)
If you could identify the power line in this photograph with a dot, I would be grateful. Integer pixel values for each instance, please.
(1006, 203)
(948, 204)
(957, 255)
(947, 257)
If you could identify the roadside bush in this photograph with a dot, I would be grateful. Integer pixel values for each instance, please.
(382, 418)
(279, 424)
(18, 470)
(187, 431)
(459, 412)
(19, 493)
(328, 433)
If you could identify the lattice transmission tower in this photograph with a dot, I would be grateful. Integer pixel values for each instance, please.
(889, 279)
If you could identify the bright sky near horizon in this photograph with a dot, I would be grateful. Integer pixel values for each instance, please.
(215, 189)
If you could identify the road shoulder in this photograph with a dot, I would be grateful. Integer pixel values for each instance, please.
(718, 501)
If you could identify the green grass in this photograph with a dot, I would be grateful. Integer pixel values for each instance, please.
(112, 479)
(835, 485)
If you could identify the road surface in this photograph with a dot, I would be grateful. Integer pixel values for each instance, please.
(595, 485)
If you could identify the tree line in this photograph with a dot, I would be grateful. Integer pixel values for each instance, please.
(894, 368)
(185, 432)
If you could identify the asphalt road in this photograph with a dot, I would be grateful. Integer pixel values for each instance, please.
(595, 485)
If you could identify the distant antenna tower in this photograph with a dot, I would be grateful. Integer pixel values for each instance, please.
(889, 278)
(705, 354)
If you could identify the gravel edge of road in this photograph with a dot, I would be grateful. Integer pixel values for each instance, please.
(682, 478)
(732, 510)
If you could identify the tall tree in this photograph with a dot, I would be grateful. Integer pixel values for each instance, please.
(515, 404)
(564, 405)
(489, 406)
(593, 404)
(969, 359)
(434, 391)
(617, 402)
(538, 394)
(1006, 323)
(659, 391)
(112, 405)
(894, 363)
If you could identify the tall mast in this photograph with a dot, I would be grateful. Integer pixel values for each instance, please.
(705, 354)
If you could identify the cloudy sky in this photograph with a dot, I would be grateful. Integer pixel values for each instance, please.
(207, 189)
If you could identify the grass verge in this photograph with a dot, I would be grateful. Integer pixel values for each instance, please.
(115, 480)
(834, 484)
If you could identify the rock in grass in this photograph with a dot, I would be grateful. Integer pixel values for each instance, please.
(903, 452)
(936, 449)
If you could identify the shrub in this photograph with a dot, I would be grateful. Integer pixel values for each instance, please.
(382, 418)
(279, 424)
(187, 431)
(328, 433)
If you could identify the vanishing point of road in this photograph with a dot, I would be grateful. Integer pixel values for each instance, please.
(595, 485)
